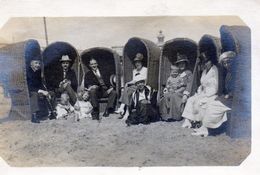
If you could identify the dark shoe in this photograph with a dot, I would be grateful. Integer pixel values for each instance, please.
(35, 119)
(52, 115)
(106, 113)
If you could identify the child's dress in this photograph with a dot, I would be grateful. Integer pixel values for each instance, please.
(64, 111)
(85, 109)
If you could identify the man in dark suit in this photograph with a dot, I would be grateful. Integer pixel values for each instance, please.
(99, 87)
(66, 80)
(40, 100)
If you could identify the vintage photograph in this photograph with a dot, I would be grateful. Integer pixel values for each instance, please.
(125, 91)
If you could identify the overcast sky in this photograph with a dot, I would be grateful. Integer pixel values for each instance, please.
(87, 32)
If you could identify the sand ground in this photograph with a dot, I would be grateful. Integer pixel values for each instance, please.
(112, 143)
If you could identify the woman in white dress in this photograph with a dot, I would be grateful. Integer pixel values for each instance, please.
(203, 106)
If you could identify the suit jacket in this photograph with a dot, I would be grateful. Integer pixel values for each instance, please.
(34, 80)
(91, 79)
(58, 77)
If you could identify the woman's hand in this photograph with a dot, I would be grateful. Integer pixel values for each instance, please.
(184, 98)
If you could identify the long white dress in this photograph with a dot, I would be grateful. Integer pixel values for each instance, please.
(203, 106)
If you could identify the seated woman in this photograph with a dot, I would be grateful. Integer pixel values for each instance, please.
(141, 110)
(203, 106)
(226, 60)
(130, 87)
(177, 91)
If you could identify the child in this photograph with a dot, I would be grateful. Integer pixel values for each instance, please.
(84, 106)
(174, 82)
(64, 109)
(141, 109)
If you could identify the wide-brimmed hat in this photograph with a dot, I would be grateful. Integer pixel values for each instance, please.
(112, 80)
(228, 54)
(139, 57)
(181, 58)
(139, 79)
(65, 58)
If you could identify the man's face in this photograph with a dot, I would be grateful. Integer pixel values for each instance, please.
(93, 65)
(35, 65)
(138, 65)
(65, 65)
(140, 85)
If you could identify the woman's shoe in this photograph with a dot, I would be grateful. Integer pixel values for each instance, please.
(186, 124)
(202, 131)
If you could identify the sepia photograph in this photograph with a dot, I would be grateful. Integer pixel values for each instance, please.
(144, 91)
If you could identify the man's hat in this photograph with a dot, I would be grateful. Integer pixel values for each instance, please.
(36, 58)
(139, 57)
(65, 58)
(181, 58)
(228, 54)
(113, 80)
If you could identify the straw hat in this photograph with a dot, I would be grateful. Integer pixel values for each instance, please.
(112, 80)
(65, 58)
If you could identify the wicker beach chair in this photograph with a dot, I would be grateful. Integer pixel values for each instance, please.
(238, 39)
(168, 57)
(108, 61)
(15, 58)
(151, 53)
(52, 66)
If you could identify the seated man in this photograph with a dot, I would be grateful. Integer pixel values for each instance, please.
(141, 109)
(66, 80)
(95, 83)
(40, 99)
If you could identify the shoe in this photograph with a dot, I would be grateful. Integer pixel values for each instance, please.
(186, 124)
(202, 131)
(106, 113)
(35, 119)
(52, 115)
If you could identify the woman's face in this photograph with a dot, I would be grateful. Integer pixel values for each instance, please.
(208, 64)
(227, 63)
(182, 66)
(138, 65)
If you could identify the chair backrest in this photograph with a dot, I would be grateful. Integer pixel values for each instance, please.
(238, 39)
(168, 57)
(51, 60)
(151, 53)
(108, 62)
(15, 59)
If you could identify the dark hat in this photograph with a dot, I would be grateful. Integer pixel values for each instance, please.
(36, 58)
(139, 57)
(112, 80)
(181, 58)
(65, 58)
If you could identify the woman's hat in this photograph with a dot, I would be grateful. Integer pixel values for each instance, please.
(65, 58)
(139, 57)
(228, 54)
(174, 67)
(112, 80)
(181, 58)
